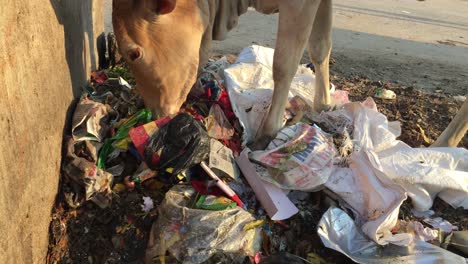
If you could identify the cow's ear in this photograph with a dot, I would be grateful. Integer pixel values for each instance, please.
(161, 7)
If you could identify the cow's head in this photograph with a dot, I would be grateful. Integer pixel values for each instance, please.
(160, 41)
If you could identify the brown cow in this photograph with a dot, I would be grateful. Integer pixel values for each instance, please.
(166, 41)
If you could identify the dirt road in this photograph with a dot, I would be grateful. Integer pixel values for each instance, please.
(409, 42)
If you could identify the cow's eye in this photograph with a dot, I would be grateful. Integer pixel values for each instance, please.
(134, 54)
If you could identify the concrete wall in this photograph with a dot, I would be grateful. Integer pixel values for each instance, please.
(47, 48)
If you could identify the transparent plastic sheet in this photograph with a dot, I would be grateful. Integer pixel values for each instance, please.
(460, 241)
(195, 236)
(217, 66)
(218, 125)
(338, 231)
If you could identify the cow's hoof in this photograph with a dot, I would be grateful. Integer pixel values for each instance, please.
(261, 143)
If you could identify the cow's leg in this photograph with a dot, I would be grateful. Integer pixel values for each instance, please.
(205, 50)
(296, 18)
(319, 48)
(455, 131)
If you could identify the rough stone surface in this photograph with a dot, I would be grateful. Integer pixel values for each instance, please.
(47, 49)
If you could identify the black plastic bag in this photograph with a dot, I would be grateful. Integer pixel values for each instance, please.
(181, 144)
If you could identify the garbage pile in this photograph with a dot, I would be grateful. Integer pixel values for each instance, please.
(187, 188)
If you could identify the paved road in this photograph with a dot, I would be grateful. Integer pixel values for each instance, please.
(420, 43)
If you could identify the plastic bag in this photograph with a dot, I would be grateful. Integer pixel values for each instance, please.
(143, 116)
(339, 98)
(424, 173)
(338, 231)
(299, 158)
(180, 144)
(217, 124)
(429, 172)
(249, 83)
(374, 199)
(417, 229)
(195, 236)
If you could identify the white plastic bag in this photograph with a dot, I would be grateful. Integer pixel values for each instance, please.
(338, 231)
(429, 172)
(250, 84)
(374, 199)
(424, 173)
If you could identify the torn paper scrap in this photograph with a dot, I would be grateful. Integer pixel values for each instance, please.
(222, 161)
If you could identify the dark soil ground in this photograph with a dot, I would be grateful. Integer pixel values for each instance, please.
(423, 115)
(119, 233)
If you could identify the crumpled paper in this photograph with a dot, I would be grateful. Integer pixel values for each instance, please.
(79, 166)
(89, 121)
(299, 158)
